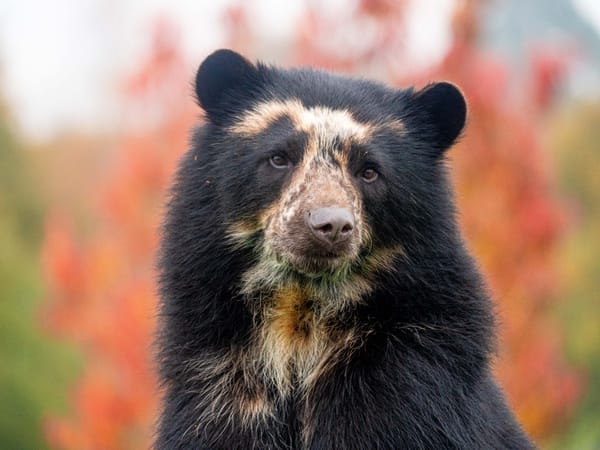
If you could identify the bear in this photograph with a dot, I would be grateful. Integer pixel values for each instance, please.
(315, 289)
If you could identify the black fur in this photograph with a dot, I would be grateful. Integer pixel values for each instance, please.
(418, 376)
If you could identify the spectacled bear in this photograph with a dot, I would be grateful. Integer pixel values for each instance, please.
(316, 292)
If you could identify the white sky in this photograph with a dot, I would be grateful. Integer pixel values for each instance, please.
(60, 59)
(590, 9)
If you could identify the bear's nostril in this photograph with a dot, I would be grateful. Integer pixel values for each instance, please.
(327, 228)
(330, 225)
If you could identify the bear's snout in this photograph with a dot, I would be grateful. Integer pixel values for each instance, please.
(330, 226)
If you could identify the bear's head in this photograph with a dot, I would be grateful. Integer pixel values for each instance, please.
(325, 179)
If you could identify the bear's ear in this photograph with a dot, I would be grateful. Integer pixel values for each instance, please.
(219, 75)
(443, 108)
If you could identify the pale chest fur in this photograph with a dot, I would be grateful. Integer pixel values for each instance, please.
(294, 345)
(292, 348)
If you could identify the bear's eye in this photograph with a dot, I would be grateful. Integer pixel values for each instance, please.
(279, 161)
(369, 175)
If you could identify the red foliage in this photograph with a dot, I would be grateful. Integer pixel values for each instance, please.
(548, 67)
(514, 222)
(101, 287)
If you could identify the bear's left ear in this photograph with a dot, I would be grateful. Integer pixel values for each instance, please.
(224, 77)
(443, 108)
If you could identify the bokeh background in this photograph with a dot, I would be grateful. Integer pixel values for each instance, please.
(96, 106)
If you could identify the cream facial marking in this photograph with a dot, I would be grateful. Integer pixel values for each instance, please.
(319, 119)
(315, 183)
(394, 125)
(239, 233)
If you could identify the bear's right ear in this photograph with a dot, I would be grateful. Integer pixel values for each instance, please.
(219, 75)
(442, 109)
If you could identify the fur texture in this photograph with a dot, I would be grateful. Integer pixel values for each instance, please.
(276, 335)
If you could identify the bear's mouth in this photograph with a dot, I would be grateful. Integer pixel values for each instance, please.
(329, 263)
(317, 248)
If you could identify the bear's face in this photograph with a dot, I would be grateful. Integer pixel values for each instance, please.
(316, 223)
(323, 189)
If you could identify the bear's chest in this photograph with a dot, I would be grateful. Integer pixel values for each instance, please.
(292, 343)
(291, 350)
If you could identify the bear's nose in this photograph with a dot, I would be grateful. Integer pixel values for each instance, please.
(330, 225)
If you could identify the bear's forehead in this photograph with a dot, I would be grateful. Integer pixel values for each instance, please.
(318, 121)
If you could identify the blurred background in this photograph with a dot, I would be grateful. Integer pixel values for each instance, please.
(96, 106)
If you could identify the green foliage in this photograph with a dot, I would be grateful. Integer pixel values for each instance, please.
(575, 139)
(34, 372)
